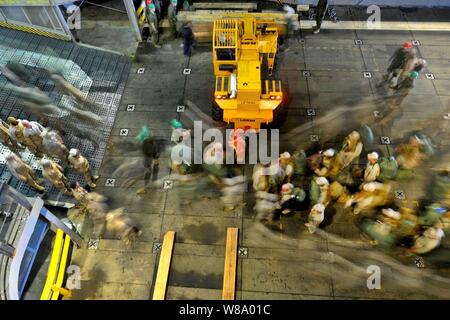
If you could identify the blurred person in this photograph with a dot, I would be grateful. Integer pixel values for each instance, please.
(440, 189)
(291, 25)
(403, 88)
(27, 134)
(318, 191)
(7, 140)
(66, 87)
(153, 23)
(300, 162)
(266, 204)
(372, 195)
(33, 137)
(428, 241)
(433, 213)
(91, 203)
(397, 62)
(186, 5)
(121, 224)
(260, 176)
(16, 131)
(33, 132)
(373, 169)
(54, 173)
(444, 222)
(286, 163)
(188, 38)
(181, 164)
(419, 65)
(351, 150)
(410, 155)
(23, 172)
(81, 165)
(291, 198)
(327, 159)
(30, 94)
(179, 134)
(388, 168)
(70, 11)
(233, 192)
(214, 162)
(172, 17)
(407, 227)
(315, 218)
(151, 149)
(238, 144)
(337, 192)
(53, 146)
(44, 113)
(16, 73)
(381, 230)
(321, 11)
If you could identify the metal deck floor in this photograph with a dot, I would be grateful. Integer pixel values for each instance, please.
(102, 75)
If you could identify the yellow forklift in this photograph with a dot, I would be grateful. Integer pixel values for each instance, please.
(244, 58)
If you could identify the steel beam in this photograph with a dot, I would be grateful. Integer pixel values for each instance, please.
(133, 20)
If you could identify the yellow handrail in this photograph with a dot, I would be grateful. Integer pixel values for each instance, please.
(57, 267)
(62, 268)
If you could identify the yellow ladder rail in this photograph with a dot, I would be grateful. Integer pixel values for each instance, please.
(57, 288)
(53, 267)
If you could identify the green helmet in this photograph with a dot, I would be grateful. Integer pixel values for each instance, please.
(174, 2)
(176, 124)
(143, 134)
(414, 74)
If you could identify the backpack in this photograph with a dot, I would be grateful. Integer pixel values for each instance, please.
(366, 135)
(389, 168)
(427, 145)
(300, 162)
(314, 192)
(314, 161)
(441, 188)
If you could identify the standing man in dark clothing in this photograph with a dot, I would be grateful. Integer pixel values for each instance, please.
(322, 8)
(188, 36)
(151, 148)
(398, 62)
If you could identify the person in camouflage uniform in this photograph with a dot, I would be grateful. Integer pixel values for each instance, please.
(54, 173)
(7, 140)
(172, 17)
(153, 23)
(23, 172)
(81, 164)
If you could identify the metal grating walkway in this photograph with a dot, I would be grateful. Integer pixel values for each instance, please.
(102, 75)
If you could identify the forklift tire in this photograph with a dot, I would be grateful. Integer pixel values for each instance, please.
(217, 112)
(279, 116)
